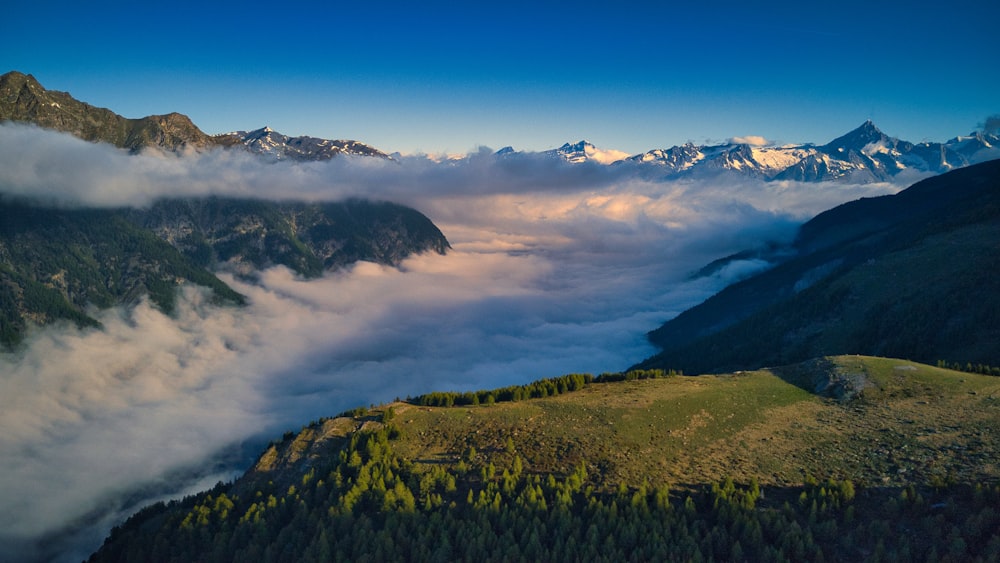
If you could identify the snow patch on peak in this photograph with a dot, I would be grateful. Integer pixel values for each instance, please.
(774, 160)
(876, 147)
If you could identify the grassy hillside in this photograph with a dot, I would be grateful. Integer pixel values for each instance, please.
(771, 425)
(845, 458)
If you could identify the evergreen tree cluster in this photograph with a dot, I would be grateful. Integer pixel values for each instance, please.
(637, 374)
(538, 389)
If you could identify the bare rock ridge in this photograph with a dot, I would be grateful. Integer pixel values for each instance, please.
(276, 146)
(23, 99)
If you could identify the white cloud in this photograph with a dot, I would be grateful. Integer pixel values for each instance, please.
(752, 140)
(605, 156)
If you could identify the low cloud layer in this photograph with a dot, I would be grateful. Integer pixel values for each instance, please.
(991, 125)
(557, 268)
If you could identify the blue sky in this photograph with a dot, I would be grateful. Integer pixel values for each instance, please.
(445, 76)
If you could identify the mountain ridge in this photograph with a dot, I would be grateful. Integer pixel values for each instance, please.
(55, 263)
(24, 99)
(248, 235)
(277, 146)
(864, 154)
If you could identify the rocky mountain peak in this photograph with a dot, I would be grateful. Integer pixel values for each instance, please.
(866, 134)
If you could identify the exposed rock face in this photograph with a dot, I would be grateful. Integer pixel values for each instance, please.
(273, 145)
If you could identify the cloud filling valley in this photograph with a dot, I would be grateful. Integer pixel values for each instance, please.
(556, 268)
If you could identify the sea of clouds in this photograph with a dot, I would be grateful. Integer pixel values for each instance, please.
(555, 268)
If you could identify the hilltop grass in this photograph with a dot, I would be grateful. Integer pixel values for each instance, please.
(680, 462)
(911, 423)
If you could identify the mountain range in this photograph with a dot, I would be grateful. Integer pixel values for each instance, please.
(24, 99)
(865, 154)
(273, 145)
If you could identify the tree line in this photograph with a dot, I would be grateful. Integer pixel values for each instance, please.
(542, 388)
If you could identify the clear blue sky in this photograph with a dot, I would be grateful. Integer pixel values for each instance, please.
(449, 76)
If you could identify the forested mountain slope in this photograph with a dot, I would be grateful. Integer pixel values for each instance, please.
(910, 275)
(56, 263)
(247, 235)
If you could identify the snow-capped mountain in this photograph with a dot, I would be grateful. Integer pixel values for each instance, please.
(865, 154)
(272, 144)
(762, 162)
(977, 147)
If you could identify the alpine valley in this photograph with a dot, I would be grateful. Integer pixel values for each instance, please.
(837, 400)
(57, 262)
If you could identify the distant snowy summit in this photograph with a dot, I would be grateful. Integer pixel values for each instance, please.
(865, 154)
(276, 146)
